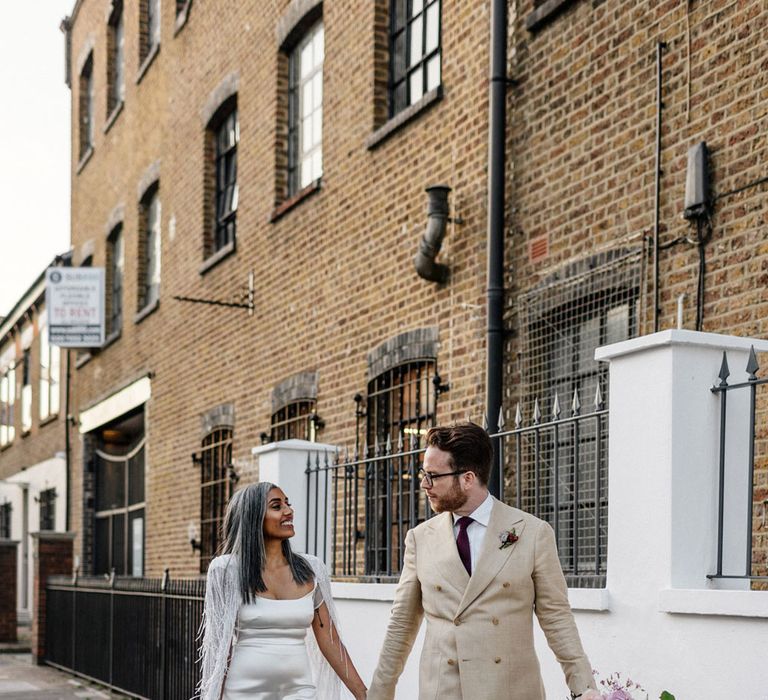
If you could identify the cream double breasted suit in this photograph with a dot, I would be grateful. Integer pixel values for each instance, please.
(479, 635)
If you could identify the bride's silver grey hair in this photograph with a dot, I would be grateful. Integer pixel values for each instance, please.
(244, 538)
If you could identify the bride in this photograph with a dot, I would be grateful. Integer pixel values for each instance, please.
(260, 600)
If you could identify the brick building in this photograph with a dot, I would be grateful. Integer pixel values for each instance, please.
(33, 483)
(287, 146)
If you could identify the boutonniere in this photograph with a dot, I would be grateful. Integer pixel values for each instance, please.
(508, 538)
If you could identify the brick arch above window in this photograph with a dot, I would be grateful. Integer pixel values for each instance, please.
(416, 344)
(116, 216)
(302, 385)
(85, 52)
(149, 178)
(222, 416)
(299, 16)
(226, 89)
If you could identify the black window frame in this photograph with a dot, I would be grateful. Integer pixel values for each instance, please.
(115, 276)
(86, 106)
(226, 188)
(217, 481)
(6, 509)
(400, 22)
(47, 502)
(295, 420)
(146, 251)
(115, 67)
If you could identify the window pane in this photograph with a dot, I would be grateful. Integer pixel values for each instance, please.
(136, 543)
(416, 7)
(305, 60)
(433, 72)
(319, 46)
(110, 484)
(317, 127)
(306, 99)
(118, 543)
(415, 41)
(317, 90)
(617, 324)
(317, 164)
(416, 86)
(433, 18)
(136, 478)
(101, 546)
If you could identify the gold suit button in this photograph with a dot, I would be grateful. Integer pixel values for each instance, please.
(438, 588)
(505, 584)
(497, 660)
(495, 620)
(451, 662)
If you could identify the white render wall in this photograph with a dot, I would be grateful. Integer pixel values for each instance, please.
(659, 620)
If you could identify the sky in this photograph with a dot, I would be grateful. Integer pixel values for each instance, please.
(34, 143)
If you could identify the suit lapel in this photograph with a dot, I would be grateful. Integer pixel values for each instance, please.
(492, 558)
(446, 554)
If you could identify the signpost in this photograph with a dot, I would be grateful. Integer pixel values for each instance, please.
(74, 299)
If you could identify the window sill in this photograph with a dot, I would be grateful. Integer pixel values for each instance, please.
(112, 118)
(217, 257)
(26, 433)
(712, 602)
(84, 360)
(111, 338)
(544, 13)
(84, 160)
(404, 117)
(147, 62)
(7, 446)
(181, 18)
(146, 311)
(48, 419)
(283, 208)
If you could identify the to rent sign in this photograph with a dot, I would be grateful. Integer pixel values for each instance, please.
(74, 300)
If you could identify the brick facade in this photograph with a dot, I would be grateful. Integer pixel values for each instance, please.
(52, 556)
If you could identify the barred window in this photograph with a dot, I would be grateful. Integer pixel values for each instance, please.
(86, 101)
(7, 404)
(594, 303)
(305, 110)
(115, 58)
(227, 135)
(295, 420)
(400, 406)
(115, 265)
(47, 502)
(50, 370)
(5, 520)
(149, 249)
(414, 51)
(149, 28)
(215, 490)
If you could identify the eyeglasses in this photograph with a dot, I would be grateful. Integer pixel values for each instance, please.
(430, 478)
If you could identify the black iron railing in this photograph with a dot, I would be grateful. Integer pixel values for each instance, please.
(555, 469)
(723, 388)
(137, 636)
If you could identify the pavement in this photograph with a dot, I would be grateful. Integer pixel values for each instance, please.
(20, 679)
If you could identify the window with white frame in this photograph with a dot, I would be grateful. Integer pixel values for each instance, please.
(7, 397)
(26, 392)
(50, 366)
(116, 58)
(149, 249)
(414, 51)
(305, 110)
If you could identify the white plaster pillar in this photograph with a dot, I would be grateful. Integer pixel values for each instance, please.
(285, 463)
(664, 425)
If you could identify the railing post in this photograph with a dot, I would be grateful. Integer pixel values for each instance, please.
(111, 646)
(163, 634)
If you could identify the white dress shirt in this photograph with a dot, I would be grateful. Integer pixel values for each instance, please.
(476, 530)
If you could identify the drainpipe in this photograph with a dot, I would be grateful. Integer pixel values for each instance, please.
(432, 240)
(496, 172)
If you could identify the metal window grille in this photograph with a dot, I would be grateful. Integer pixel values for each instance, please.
(119, 516)
(115, 279)
(215, 490)
(305, 110)
(47, 502)
(400, 408)
(5, 520)
(556, 476)
(414, 51)
(227, 138)
(116, 64)
(86, 106)
(295, 420)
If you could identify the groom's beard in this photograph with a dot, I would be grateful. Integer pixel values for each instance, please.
(453, 500)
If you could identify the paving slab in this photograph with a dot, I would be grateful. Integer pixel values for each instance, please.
(20, 679)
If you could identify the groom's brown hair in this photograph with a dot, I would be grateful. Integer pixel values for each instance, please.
(469, 446)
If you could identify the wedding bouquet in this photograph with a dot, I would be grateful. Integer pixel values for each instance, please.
(614, 687)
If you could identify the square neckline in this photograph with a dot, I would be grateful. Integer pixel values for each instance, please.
(284, 600)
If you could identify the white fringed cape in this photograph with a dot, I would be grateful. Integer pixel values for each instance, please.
(218, 630)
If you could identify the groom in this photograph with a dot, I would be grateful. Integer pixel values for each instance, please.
(477, 572)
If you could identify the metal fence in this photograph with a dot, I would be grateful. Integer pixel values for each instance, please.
(556, 469)
(135, 635)
(726, 471)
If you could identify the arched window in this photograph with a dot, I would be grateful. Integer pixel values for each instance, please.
(215, 490)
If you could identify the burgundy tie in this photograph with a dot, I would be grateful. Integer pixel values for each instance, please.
(462, 542)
